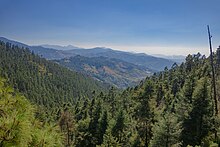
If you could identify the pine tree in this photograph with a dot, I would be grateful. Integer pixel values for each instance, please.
(109, 140)
(94, 124)
(111, 100)
(166, 132)
(118, 128)
(103, 127)
(159, 93)
(184, 99)
(189, 63)
(67, 126)
(144, 114)
(198, 124)
(18, 124)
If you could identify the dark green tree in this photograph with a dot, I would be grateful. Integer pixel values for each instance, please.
(167, 132)
(94, 125)
(103, 127)
(144, 113)
(118, 128)
(198, 124)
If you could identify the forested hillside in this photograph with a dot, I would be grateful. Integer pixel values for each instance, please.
(43, 82)
(172, 108)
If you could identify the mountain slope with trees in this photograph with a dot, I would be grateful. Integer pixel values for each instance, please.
(43, 82)
(108, 70)
(174, 107)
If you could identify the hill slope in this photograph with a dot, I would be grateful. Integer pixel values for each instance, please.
(113, 71)
(42, 81)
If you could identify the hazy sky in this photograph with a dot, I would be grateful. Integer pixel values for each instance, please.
(150, 26)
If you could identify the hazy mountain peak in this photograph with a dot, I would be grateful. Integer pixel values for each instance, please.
(175, 58)
(59, 47)
(102, 48)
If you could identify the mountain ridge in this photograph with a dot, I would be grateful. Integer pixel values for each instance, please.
(59, 47)
(141, 59)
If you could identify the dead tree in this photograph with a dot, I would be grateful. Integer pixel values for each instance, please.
(213, 73)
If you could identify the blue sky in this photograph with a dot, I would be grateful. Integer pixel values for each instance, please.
(150, 26)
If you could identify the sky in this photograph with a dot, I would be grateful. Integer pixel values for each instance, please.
(170, 27)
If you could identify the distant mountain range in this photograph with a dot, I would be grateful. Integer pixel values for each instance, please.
(118, 68)
(140, 59)
(175, 58)
(58, 47)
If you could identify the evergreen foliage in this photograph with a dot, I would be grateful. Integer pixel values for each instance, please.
(167, 132)
(171, 108)
(18, 124)
(43, 82)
